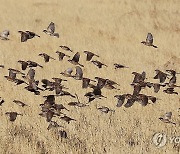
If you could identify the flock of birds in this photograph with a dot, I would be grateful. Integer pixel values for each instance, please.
(50, 108)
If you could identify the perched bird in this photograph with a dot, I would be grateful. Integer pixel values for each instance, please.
(75, 59)
(62, 55)
(33, 64)
(4, 35)
(65, 48)
(105, 109)
(12, 115)
(67, 119)
(67, 73)
(24, 64)
(118, 66)
(51, 30)
(170, 91)
(19, 103)
(89, 55)
(46, 57)
(166, 118)
(160, 75)
(98, 63)
(79, 73)
(149, 41)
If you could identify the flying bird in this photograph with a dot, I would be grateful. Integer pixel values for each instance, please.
(118, 66)
(51, 30)
(62, 55)
(98, 63)
(90, 55)
(79, 73)
(20, 103)
(12, 115)
(167, 118)
(24, 64)
(46, 57)
(149, 41)
(105, 109)
(65, 48)
(160, 75)
(4, 35)
(67, 73)
(75, 59)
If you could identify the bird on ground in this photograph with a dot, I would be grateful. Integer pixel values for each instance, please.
(90, 55)
(62, 55)
(46, 57)
(4, 35)
(149, 41)
(51, 30)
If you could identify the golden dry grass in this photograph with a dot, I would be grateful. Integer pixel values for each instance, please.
(112, 29)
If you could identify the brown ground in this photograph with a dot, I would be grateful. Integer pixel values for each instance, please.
(112, 29)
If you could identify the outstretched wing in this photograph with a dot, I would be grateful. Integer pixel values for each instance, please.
(51, 27)
(76, 57)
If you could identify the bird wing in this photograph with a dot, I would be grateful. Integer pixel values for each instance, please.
(76, 57)
(51, 27)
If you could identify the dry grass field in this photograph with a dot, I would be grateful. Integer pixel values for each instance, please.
(113, 30)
